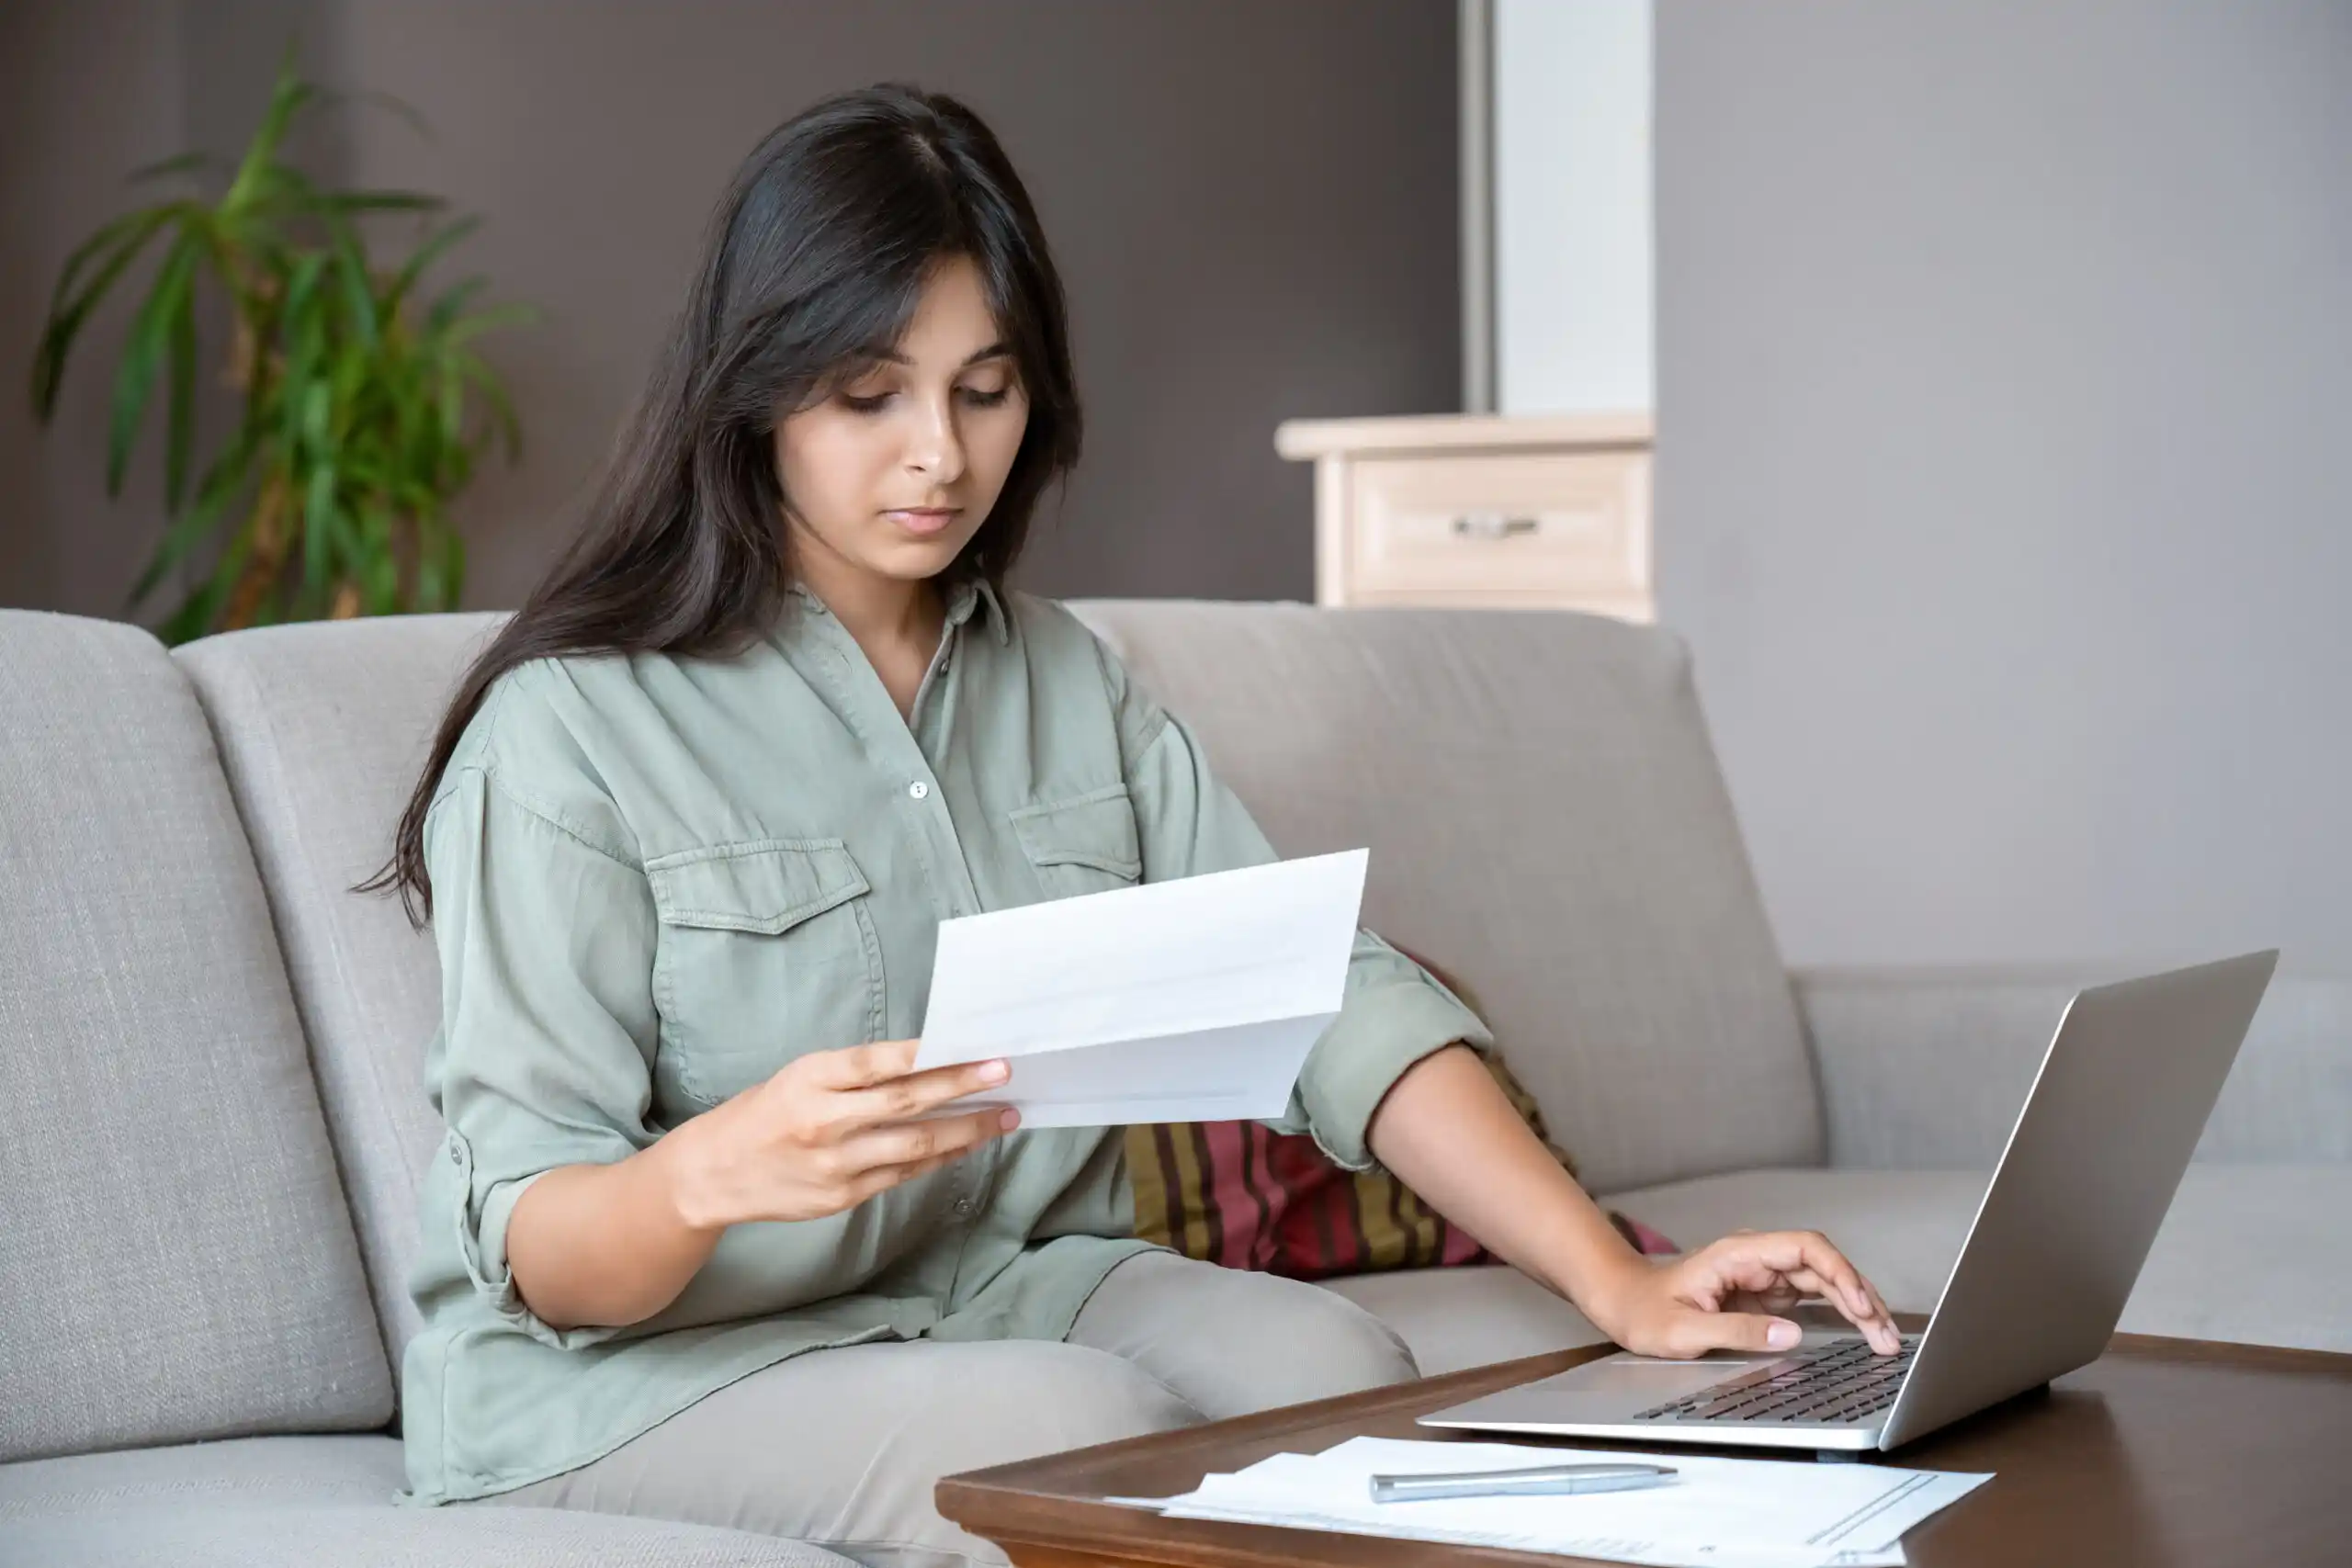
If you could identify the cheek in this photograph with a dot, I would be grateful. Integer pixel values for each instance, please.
(1001, 440)
(828, 464)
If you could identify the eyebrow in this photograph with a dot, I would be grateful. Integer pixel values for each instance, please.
(991, 352)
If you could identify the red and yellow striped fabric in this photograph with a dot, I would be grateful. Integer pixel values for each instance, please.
(1237, 1194)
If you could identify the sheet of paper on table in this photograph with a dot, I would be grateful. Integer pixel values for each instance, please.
(1195, 999)
(1718, 1513)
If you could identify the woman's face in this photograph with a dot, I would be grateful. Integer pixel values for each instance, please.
(865, 470)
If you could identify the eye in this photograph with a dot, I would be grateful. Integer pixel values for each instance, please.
(977, 398)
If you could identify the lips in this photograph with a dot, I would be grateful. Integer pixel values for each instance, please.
(925, 519)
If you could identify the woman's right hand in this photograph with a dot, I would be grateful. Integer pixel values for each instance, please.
(828, 1131)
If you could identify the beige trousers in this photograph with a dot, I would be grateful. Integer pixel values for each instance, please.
(842, 1447)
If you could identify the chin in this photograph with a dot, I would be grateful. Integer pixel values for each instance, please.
(915, 559)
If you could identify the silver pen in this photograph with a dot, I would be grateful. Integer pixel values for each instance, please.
(1550, 1480)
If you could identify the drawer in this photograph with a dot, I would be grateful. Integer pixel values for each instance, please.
(1551, 528)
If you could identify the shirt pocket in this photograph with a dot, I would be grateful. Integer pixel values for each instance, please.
(1086, 843)
(765, 951)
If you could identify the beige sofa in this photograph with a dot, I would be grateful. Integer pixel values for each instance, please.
(211, 1113)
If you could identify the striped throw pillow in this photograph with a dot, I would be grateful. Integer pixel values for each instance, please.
(1241, 1195)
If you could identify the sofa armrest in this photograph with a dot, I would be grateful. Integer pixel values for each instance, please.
(1925, 1070)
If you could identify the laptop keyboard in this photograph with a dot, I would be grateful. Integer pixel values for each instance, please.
(1830, 1382)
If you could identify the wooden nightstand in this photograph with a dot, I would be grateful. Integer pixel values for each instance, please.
(1489, 510)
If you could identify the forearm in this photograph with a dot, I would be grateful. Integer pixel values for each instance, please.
(607, 1244)
(1446, 1130)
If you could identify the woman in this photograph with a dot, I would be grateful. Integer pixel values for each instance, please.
(685, 837)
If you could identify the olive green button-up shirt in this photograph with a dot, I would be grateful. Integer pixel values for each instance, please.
(658, 880)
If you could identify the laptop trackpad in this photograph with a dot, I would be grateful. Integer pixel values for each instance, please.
(1655, 1382)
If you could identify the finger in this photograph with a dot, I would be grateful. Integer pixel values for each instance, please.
(1695, 1333)
(919, 1141)
(1802, 1283)
(1876, 1321)
(1719, 1278)
(902, 1099)
(1780, 1298)
(1879, 1301)
(882, 1178)
(1876, 1324)
(859, 1066)
(1859, 1305)
(1886, 1337)
(1749, 1263)
(1789, 1251)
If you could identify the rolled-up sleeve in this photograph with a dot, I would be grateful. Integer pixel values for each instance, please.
(1392, 1012)
(547, 1021)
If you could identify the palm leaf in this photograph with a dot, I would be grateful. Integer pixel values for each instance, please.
(128, 236)
(286, 98)
(445, 309)
(283, 186)
(350, 264)
(318, 525)
(144, 353)
(146, 218)
(165, 166)
(380, 201)
(222, 483)
(401, 107)
(181, 424)
(427, 254)
(489, 320)
(494, 393)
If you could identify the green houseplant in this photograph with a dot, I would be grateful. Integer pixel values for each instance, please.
(362, 406)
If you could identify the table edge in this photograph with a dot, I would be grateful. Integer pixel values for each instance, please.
(991, 1502)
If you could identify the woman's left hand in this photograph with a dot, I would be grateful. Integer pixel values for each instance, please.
(1726, 1296)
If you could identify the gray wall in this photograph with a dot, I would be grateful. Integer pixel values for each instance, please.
(1253, 207)
(2005, 469)
(87, 92)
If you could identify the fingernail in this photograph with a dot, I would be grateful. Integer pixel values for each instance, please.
(1783, 1335)
(1009, 1120)
(996, 1072)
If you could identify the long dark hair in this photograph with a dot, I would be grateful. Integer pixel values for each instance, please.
(813, 266)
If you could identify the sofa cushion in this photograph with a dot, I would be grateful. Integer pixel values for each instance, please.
(1925, 1068)
(297, 1502)
(1453, 1318)
(2248, 1252)
(2230, 1223)
(1547, 820)
(322, 728)
(177, 1260)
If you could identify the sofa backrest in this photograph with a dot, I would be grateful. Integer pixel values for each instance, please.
(176, 1258)
(1545, 816)
(1547, 822)
(322, 727)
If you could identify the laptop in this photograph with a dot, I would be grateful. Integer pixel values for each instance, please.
(2116, 1110)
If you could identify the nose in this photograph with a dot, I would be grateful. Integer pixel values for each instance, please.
(936, 448)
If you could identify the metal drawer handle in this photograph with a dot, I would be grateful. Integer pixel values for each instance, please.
(1492, 525)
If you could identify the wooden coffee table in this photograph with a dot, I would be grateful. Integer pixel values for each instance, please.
(2166, 1451)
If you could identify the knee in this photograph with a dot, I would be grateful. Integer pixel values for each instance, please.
(1081, 1398)
(1303, 1342)
(1354, 1348)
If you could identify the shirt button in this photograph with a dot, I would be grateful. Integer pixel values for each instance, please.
(963, 1206)
(918, 789)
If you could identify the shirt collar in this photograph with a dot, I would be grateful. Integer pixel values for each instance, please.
(962, 599)
(972, 591)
